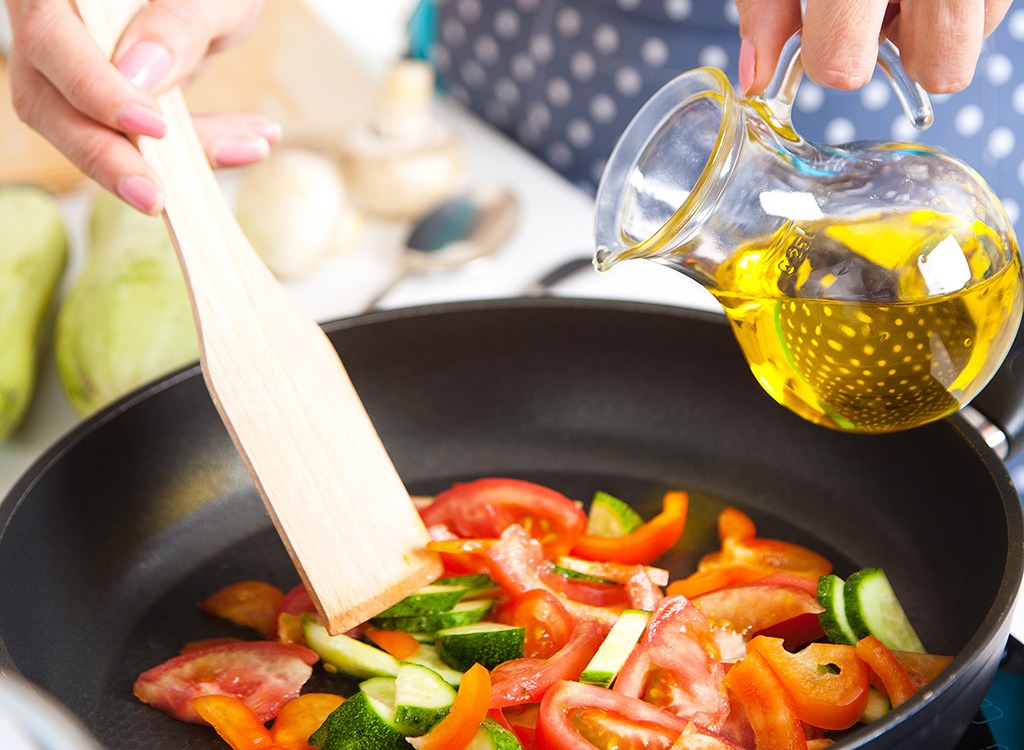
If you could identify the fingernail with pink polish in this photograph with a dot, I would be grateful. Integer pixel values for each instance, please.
(234, 152)
(140, 192)
(268, 130)
(746, 65)
(145, 64)
(140, 120)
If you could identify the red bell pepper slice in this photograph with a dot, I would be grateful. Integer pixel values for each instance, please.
(828, 683)
(767, 704)
(890, 676)
(648, 542)
(457, 729)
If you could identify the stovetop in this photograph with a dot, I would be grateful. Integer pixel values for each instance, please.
(999, 724)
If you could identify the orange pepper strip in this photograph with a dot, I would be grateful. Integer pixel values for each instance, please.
(457, 729)
(461, 546)
(302, 716)
(399, 644)
(733, 523)
(648, 542)
(894, 678)
(712, 579)
(233, 720)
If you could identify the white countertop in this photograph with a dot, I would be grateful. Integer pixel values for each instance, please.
(555, 224)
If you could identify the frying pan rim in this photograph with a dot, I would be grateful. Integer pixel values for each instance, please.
(996, 620)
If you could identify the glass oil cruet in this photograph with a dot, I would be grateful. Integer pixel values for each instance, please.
(872, 287)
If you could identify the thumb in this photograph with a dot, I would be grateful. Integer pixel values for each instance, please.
(167, 40)
(765, 26)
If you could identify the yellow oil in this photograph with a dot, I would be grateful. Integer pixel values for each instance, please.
(839, 325)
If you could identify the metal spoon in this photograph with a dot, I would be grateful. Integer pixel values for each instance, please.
(459, 231)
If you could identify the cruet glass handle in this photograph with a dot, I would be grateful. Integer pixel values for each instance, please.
(778, 96)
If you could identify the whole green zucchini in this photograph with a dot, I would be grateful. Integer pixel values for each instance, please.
(33, 254)
(126, 320)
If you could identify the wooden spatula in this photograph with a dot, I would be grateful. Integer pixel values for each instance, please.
(316, 459)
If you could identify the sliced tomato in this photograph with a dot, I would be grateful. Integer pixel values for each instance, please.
(252, 604)
(523, 721)
(263, 674)
(827, 682)
(578, 716)
(526, 680)
(517, 564)
(755, 607)
(888, 674)
(767, 705)
(542, 615)
(295, 603)
(671, 668)
(647, 543)
(485, 507)
(696, 737)
(921, 668)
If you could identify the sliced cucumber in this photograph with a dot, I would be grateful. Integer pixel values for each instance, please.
(427, 656)
(363, 722)
(877, 707)
(615, 648)
(872, 608)
(470, 581)
(489, 643)
(493, 736)
(833, 619)
(610, 516)
(433, 598)
(463, 613)
(345, 655)
(422, 698)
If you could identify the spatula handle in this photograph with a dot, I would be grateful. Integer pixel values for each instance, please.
(312, 451)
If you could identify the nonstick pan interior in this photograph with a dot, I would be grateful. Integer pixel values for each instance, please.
(109, 541)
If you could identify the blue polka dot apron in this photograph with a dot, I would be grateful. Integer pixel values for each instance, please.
(564, 77)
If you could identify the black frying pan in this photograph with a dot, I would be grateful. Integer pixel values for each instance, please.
(110, 539)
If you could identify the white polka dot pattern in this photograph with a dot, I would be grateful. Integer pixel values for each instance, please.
(566, 76)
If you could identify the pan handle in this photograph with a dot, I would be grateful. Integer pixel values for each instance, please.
(1001, 403)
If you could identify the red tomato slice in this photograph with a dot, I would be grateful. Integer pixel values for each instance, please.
(485, 507)
(671, 668)
(822, 697)
(263, 674)
(252, 604)
(523, 721)
(574, 715)
(768, 707)
(517, 564)
(755, 607)
(526, 680)
(547, 622)
(695, 737)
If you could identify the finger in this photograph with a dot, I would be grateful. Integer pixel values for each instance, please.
(995, 11)
(940, 41)
(840, 41)
(99, 152)
(51, 39)
(231, 139)
(765, 25)
(183, 30)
